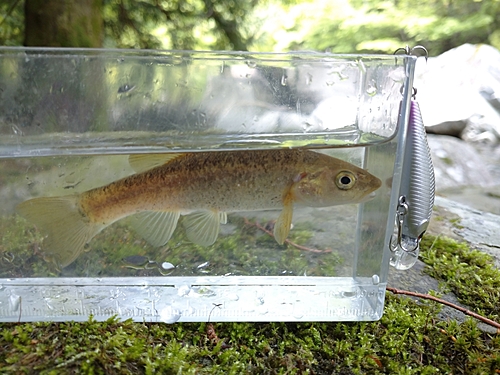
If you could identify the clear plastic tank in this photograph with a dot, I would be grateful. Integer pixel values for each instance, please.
(70, 119)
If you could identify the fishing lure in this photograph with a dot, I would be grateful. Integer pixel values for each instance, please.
(417, 189)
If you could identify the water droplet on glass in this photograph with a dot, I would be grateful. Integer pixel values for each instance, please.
(14, 302)
(375, 279)
(183, 290)
(343, 76)
(222, 67)
(170, 315)
(309, 79)
(251, 63)
(16, 130)
(371, 90)
(284, 80)
(262, 310)
(233, 297)
(307, 126)
(348, 294)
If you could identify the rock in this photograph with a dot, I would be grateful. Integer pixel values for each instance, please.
(458, 164)
(461, 222)
(459, 92)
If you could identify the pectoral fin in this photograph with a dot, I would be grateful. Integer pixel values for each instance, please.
(202, 227)
(156, 227)
(144, 162)
(284, 222)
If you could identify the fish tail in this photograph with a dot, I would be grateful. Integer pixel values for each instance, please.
(67, 227)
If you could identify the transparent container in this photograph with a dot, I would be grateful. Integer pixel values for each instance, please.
(75, 120)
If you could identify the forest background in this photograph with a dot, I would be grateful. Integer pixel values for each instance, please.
(340, 26)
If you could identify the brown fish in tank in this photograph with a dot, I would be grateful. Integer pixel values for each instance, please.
(203, 187)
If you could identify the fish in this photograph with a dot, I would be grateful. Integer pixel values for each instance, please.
(203, 187)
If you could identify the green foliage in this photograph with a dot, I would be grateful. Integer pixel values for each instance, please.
(342, 26)
(383, 26)
(11, 23)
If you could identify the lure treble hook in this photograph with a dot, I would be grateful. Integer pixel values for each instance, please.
(412, 51)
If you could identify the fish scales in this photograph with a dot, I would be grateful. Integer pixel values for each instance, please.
(229, 181)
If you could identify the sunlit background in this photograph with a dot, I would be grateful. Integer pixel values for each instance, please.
(341, 26)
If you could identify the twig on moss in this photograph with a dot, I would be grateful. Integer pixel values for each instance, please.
(300, 247)
(444, 302)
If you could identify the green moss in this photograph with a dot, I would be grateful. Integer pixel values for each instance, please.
(456, 223)
(246, 251)
(468, 273)
(407, 340)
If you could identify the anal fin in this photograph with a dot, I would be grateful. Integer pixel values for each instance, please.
(156, 227)
(202, 227)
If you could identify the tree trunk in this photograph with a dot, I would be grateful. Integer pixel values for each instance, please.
(63, 23)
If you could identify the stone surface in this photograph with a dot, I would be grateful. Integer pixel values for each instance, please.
(458, 164)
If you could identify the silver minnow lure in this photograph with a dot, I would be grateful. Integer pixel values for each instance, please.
(416, 193)
(417, 183)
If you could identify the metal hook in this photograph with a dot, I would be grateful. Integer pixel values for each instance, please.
(412, 51)
(402, 211)
(413, 91)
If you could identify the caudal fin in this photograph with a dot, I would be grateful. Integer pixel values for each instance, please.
(68, 229)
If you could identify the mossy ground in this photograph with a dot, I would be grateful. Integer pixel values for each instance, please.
(409, 339)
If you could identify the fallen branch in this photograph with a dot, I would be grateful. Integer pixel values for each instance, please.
(287, 241)
(452, 305)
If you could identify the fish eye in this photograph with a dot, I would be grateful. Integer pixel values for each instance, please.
(345, 180)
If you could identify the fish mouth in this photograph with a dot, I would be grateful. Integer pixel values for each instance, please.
(368, 197)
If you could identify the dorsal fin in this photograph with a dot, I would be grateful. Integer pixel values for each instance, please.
(144, 162)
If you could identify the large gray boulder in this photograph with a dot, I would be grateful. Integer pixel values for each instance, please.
(459, 92)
